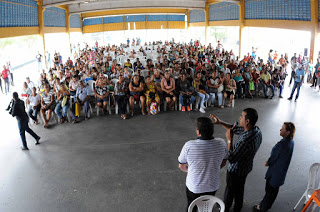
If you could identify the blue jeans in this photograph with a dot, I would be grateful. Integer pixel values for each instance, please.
(6, 85)
(213, 96)
(39, 66)
(23, 127)
(280, 88)
(265, 87)
(295, 86)
(184, 102)
(33, 112)
(204, 98)
(64, 110)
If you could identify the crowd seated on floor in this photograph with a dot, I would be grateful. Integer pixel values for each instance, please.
(167, 75)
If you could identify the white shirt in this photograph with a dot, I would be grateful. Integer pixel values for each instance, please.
(225, 70)
(31, 85)
(84, 93)
(34, 100)
(204, 158)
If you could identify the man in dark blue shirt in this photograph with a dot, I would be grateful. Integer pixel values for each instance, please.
(278, 164)
(241, 155)
(18, 111)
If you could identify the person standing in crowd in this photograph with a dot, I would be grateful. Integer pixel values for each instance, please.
(315, 74)
(10, 73)
(299, 76)
(48, 59)
(5, 76)
(202, 160)
(18, 111)
(294, 66)
(241, 155)
(278, 165)
(39, 61)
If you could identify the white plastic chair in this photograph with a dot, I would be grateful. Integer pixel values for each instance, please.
(206, 203)
(313, 183)
(145, 73)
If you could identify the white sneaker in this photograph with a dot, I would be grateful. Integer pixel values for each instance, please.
(202, 110)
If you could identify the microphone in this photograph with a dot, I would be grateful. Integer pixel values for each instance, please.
(234, 126)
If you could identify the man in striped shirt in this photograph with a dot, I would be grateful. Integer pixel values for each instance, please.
(241, 155)
(202, 159)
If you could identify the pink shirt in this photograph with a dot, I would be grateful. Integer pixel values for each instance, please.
(166, 86)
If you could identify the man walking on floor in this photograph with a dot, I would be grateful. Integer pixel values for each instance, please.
(18, 111)
(298, 79)
(241, 155)
(202, 159)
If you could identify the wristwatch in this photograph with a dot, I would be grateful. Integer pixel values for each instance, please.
(229, 142)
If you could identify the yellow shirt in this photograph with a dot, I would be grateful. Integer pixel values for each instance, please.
(266, 77)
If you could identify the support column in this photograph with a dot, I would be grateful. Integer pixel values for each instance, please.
(314, 31)
(68, 29)
(242, 26)
(81, 24)
(188, 18)
(206, 22)
(41, 29)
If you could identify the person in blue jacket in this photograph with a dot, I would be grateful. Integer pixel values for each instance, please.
(278, 165)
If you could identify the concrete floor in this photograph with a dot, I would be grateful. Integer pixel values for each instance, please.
(108, 164)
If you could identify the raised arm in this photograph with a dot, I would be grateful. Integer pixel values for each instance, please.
(218, 121)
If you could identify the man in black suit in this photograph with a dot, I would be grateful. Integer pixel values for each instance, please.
(278, 165)
(18, 111)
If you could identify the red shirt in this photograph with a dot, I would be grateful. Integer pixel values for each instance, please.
(5, 73)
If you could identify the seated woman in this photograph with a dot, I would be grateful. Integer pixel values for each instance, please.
(168, 86)
(63, 97)
(151, 94)
(200, 90)
(83, 96)
(277, 82)
(102, 92)
(26, 92)
(229, 88)
(73, 85)
(136, 88)
(237, 76)
(47, 104)
(120, 91)
(186, 97)
(34, 102)
(214, 88)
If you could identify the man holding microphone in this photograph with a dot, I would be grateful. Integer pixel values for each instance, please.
(241, 155)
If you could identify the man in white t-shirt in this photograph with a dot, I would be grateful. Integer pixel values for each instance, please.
(202, 159)
(34, 101)
(30, 83)
(225, 69)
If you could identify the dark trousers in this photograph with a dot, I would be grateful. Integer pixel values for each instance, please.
(291, 77)
(122, 102)
(23, 127)
(314, 80)
(234, 191)
(269, 197)
(192, 196)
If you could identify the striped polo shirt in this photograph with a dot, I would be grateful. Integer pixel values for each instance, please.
(204, 158)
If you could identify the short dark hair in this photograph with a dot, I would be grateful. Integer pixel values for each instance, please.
(15, 95)
(205, 127)
(252, 115)
(291, 128)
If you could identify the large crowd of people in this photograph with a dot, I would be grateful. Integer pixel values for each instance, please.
(158, 75)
